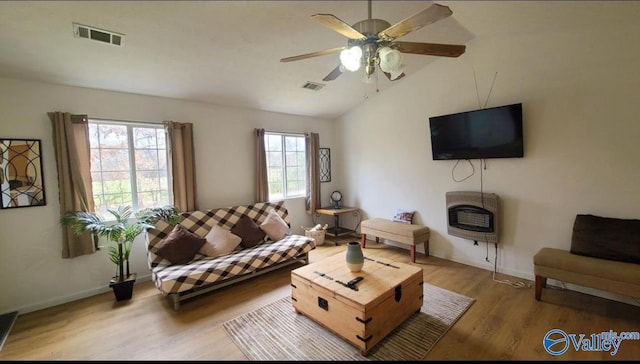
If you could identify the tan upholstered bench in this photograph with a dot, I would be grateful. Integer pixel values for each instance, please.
(411, 234)
(604, 254)
(603, 274)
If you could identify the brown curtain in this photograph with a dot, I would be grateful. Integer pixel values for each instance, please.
(312, 146)
(183, 165)
(73, 160)
(262, 184)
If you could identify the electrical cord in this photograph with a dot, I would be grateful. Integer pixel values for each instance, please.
(516, 284)
(486, 237)
(473, 171)
(481, 185)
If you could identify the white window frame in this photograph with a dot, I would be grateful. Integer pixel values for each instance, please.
(132, 162)
(285, 188)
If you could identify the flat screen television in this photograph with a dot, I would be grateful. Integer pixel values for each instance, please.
(479, 134)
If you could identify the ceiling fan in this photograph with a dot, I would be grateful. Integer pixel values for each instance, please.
(372, 42)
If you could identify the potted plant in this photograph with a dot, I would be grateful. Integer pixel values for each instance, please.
(121, 233)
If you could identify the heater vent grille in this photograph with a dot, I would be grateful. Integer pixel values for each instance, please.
(313, 86)
(98, 35)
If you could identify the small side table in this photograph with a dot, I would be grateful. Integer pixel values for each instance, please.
(338, 230)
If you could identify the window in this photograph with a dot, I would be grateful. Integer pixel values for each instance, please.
(286, 165)
(128, 165)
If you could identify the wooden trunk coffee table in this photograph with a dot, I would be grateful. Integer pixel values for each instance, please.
(387, 295)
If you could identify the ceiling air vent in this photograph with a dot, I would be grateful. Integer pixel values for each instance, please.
(313, 86)
(99, 35)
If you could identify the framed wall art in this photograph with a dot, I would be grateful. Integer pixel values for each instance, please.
(325, 164)
(21, 179)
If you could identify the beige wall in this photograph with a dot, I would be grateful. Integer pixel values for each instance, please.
(32, 274)
(579, 91)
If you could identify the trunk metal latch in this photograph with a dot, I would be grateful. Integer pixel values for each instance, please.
(398, 293)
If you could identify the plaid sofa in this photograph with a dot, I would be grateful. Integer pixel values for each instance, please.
(204, 274)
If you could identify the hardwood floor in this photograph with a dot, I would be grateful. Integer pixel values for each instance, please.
(504, 323)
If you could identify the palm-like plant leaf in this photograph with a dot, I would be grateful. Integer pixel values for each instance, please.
(84, 221)
(113, 254)
(121, 213)
(148, 217)
(130, 232)
(122, 232)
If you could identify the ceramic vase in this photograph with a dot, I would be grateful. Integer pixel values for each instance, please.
(355, 258)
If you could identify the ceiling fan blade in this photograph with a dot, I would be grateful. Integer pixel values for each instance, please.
(332, 22)
(333, 74)
(416, 21)
(431, 49)
(312, 54)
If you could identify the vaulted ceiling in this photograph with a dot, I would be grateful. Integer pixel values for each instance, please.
(228, 52)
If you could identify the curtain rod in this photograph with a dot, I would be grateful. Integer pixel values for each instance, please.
(127, 121)
(284, 132)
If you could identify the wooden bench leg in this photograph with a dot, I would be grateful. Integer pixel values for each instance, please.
(363, 240)
(541, 282)
(413, 251)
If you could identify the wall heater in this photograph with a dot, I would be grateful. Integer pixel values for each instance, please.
(473, 215)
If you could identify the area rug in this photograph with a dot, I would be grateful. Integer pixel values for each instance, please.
(276, 332)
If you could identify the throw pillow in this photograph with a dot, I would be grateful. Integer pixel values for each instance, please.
(404, 216)
(219, 241)
(606, 238)
(275, 227)
(249, 231)
(180, 246)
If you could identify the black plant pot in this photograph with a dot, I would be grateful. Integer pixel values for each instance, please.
(123, 290)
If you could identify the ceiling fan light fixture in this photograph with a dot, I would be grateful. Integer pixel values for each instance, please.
(396, 73)
(372, 43)
(390, 59)
(351, 58)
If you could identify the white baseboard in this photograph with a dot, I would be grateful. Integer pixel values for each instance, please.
(72, 297)
(530, 276)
